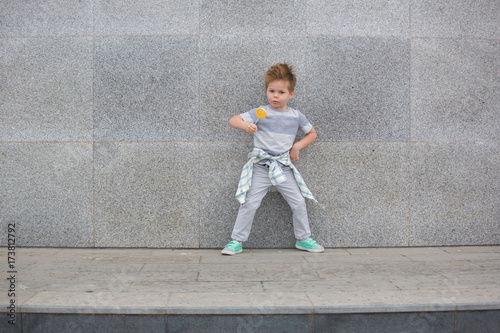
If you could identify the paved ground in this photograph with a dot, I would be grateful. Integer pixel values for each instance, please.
(270, 281)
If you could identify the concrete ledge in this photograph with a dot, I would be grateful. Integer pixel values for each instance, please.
(290, 310)
(256, 282)
(426, 289)
(468, 321)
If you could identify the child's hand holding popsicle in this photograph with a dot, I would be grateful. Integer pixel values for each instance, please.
(252, 128)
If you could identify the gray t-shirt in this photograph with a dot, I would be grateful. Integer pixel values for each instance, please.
(277, 131)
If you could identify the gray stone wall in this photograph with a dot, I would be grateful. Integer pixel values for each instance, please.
(114, 120)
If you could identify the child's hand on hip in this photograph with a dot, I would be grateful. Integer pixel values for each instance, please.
(294, 153)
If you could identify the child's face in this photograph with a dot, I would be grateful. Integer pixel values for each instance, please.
(278, 94)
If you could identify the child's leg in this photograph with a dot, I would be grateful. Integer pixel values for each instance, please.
(246, 213)
(289, 189)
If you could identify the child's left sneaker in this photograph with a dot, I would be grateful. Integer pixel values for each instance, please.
(310, 245)
(233, 247)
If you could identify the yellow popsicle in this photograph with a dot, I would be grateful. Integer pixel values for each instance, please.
(261, 113)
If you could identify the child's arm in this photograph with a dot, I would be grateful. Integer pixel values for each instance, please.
(238, 123)
(299, 145)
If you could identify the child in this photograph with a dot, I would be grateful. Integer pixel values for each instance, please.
(269, 162)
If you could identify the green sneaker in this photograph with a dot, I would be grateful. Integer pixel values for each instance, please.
(233, 247)
(310, 245)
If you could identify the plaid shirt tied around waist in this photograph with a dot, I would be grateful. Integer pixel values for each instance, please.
(276, 174)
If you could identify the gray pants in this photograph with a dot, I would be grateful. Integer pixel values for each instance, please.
(260, 186)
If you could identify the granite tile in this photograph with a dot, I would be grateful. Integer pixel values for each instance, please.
(146, 88)
(474, 299)
(464, 256)
(421, 268)
(197, 286)
(120, 279)
(454, 194)
(321, 286)
(494, 251)
(43, 280)
(431, 280)
(39, 322)
(120, 256)
(45, 18)
(47, 193)
(353, 264)
(403, 253)
(146, 17)
(221, 165)
(467, 279)
(98, 302)
(256, 256)
(358, 88)
(46, 89)
(478, 321)
(429, 322)
(240, 323)
(217, 303)
(455, 90)
(363, 193)
(146, 194)
(232, 78)
(359, 18)
(370, 279)
(258, 17)
(455, 19)
(28, 252)
(62, 257)
(107, 269)
(288, 256)
(379, 301)
(291, 273)
(14, 327)
(197, 268)
(175, 256)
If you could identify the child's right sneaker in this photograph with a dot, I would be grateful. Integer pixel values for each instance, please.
(233, 247)
(310, 245)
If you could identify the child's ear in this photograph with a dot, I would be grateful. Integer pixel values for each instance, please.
(291, 94)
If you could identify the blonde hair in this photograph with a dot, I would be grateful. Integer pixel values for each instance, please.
(281, 71)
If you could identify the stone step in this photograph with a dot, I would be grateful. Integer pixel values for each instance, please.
(437, 289)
